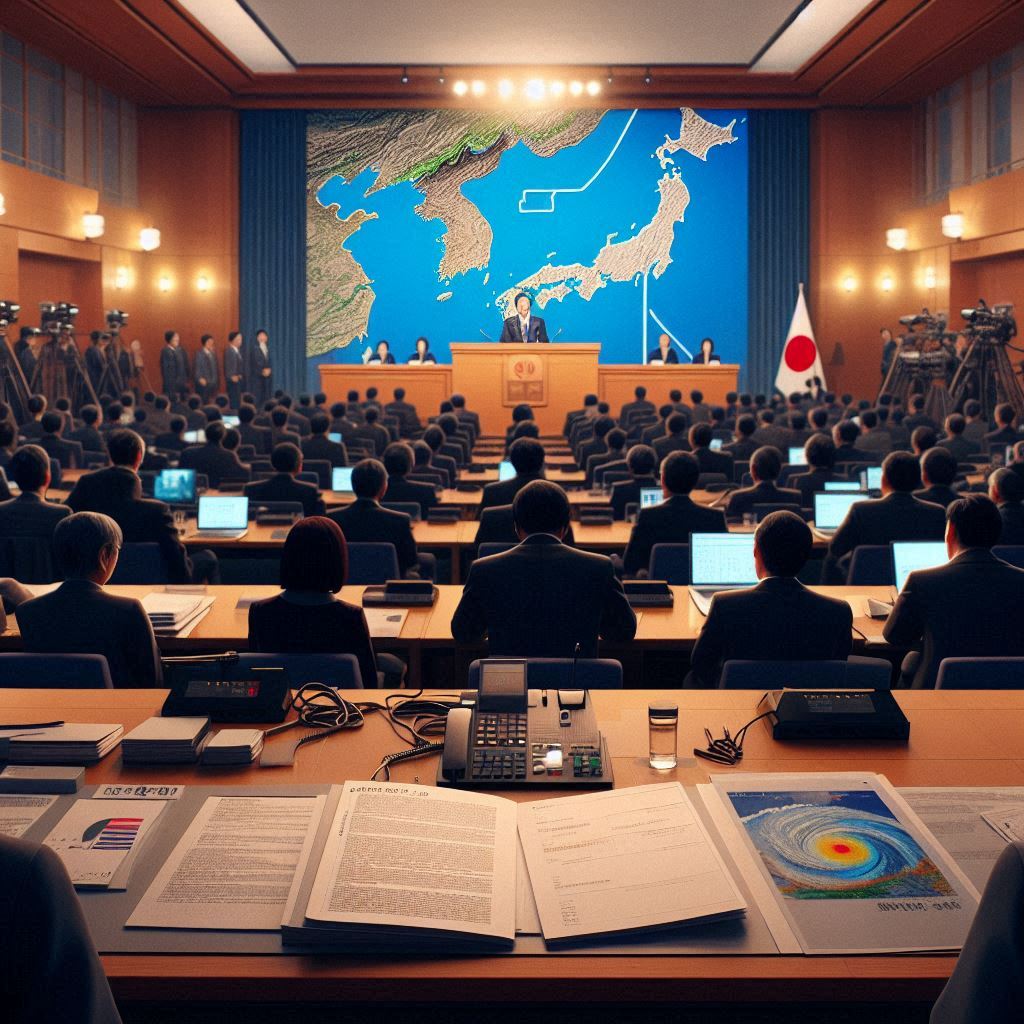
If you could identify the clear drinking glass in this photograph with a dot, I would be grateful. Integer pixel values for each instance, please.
(179, 521)
(663, 727)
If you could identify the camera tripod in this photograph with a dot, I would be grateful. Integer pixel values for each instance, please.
(986, 375)
(60, 374)
(13, 386)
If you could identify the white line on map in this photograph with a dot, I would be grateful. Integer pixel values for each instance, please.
(552, 192)
(654, 317)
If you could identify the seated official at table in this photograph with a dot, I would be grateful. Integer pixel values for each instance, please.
(422, 355)
(765, 467)
(319, 446)
(779, 619)
(938, 471)
(675, 518)
(523, 327)
(707, 352)
(641, 461)
(79, 617)
(398, 461)
(664, 353)
(30, 515)
(382, 354)
(968, 608)
(542, 598)
(286, 460)
(307, 617)
(527, 457)
(820, 453)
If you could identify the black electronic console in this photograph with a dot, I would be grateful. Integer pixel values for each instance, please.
(835, 715)
(217, 688)
(400, 593)
(509, 736)
(648, 593)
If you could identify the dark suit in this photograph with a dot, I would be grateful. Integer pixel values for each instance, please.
(502, 492)
(258, 437)
(1002, 436)
(205, 366)
(375, 434)
(174, 371)
(68, 453)
(969, 607)
(671, 522)
(811, 483)
(215, 461)
(89, 438)
(766, 492)
(320, 447)
(402, 489)
(959, 447)
(512, 330)
(169, 442)
(742, 450)
(540, 599)
(284, 487)
(626, 492)
(79, 617)
(447, 465)
(669, 356)
(260, 386)
(595, 462)
(1013, 523)
(665, 446)
(234, 366)
(52, 974)
(365, 521)
(95, 363)
(937, 495)
(409, 421)
(631, 410)
(29, 516)
(778, 620)
(714, 462)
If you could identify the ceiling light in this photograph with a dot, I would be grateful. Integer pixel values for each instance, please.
(506, 88)
(648, 78)
(896, 238)
(929, 277)
(460, 88)
(593, 87)
(576, 88)
(818, 22)
(557, 87)
(953, 225)
(478, 88)
(149, 239)
(92, 225)
(230, 23)
(535, 89)
(405, 76)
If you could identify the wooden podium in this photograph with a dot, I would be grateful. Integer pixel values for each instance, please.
(551, 378)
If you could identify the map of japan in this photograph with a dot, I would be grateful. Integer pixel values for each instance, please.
(430, 222)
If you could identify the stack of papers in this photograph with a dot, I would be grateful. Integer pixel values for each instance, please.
(234, 746)
(165, 741)
(172, 614)
(73, 743)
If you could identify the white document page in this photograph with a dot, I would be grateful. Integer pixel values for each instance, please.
(19, 813)
(527, 918)
(385, 622)
(234, 867)
(622, 860)
(419, 857)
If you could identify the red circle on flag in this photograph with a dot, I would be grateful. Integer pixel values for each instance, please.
(800, 353)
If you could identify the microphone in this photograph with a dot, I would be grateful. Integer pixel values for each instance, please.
(555, 335)
(486, 335)
(575, 658)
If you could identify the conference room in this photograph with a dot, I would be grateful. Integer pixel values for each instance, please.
(511, 512)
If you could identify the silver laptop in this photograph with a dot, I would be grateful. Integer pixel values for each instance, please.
(341, 479)
(908, 556)
(797, 456)
(225, 517)
(871, 478)
(650, 496)
(830, 508)
(720, 561)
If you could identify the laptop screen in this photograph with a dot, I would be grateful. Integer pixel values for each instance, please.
(177, 486)
(722, 559)
(223, 513)
(230, 421)
(797, 457)
(716, 444)
(194, 436)
(841, 485)
(871, 478)
(650, 496)
(334, 436)
(506, 470)
(830, 508)
(910, 555)
(341, 479)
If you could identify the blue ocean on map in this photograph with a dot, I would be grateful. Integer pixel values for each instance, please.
(703, 292)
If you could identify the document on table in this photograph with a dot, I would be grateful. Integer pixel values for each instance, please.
(19, 813)
(623, 860)
(385, 622)
(234, 867)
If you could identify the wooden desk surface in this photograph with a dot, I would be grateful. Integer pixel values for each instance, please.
(950, 745)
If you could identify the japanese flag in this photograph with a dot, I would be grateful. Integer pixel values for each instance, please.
(801, 359)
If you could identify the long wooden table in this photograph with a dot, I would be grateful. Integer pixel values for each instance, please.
(951, 745)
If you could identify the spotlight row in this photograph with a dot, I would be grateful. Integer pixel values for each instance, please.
(532, 89)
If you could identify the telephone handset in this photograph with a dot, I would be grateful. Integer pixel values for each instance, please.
(516, 736)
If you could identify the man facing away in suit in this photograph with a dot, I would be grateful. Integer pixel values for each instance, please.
(542, 598)
(286, 460)
(765, 467)
(30, 514)
(967, 608)
(527, 457)
(1006, 489)
(399, 461)
(779, 619)
(212, 459)
(522, 326)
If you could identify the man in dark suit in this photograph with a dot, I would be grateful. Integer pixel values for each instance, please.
(779, 619)
(372, 431)
(640, 406)
(280, 430)
(917, 417)
(261, 369)
(205, 369)
(32, 429)
(527, 458)
(709, 461)
(743, 445)
(700, 411)
(938, 471)
(173, 367)
(404, 412)
(969, 607)
(79, 617)
(173, 439)
(399, 461)
(319, 446)
(976, 426)
(213, 459)
(844, 436)
(434, 437)
(769, 432)
(596, 445)
(30, 515)
(1006, 489)
(641, 463)
(69, 454)
(542, 598)
(1005, 432)
(117, 492)
(87, 435)
(234, 369)
(765, 466)
(365, 521)
(286, 460)
(656, 430)
(522, 327)
(674, 439)
(954, 441)
(422, 471)
(897, 515)
(613, 458)
(820, 453)
(465, 416)
(675, 518)
(258, 437)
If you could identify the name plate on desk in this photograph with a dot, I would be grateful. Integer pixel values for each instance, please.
(524, 379)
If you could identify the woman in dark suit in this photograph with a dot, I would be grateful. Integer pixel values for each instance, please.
(707, 352)
(664, 353)
(422, 355)
(383, 353)
(306, 618)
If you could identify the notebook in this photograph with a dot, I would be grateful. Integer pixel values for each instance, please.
(830, 508)
(506, 470)
(650, 496)
(797, 457)
(720, 561)
(225, 516)
(177, 486)
(341, 479)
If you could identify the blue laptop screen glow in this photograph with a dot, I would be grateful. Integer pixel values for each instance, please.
(830, 509)
(230, 421)
(506, 470)
(194, 436)
(871, 478)
(334, 436)
(650, 496)
(716, 444)
(722, 559)
(910, 555)
(797, 457)
(223, 513)
(842, 485)
(341, 479)
(177, 486)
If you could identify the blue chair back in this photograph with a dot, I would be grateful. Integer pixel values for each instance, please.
(372, 563)
(140, 563)
(870, 566)
(766, 508)
(854, 674)
(309, 477)
(790, 469)
(410, 508)
(671, 563)
(495, 547)
(63, 671)
(332, 669)
(1012, 553)
(552, 673)
(980, 674)
(322, 468)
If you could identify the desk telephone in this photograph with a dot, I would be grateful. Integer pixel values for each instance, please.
(512, 736)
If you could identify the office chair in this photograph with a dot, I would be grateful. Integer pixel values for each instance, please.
(495, 547)
(140, 562)
(410, 508)
(555, 673)
(670, 562)
(372, 563)
(322, 468)
(60, 671)
(854, 674)
(1012, 553)
(766, 508)
(980, 674)
(870, 566)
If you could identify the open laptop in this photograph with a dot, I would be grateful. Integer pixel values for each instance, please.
(871, 478)
(334, 436)
(225, 517)
(847, 486)
(908, 556)
(716, 444)
(175, 486)
(506, 470)
(194, 436)
(797, 457)
(830, 508)
(650, 496)
(720, 561)
(230, 421)
(341, 479)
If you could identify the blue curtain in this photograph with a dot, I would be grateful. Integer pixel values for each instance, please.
(779, 235)
(272, 238)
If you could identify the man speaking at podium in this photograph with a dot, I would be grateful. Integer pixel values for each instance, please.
(523, 327)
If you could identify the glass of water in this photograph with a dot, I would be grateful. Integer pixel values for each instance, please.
(663, 727)
(179, 521)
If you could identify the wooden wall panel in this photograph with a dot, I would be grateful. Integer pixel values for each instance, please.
(43, 278)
